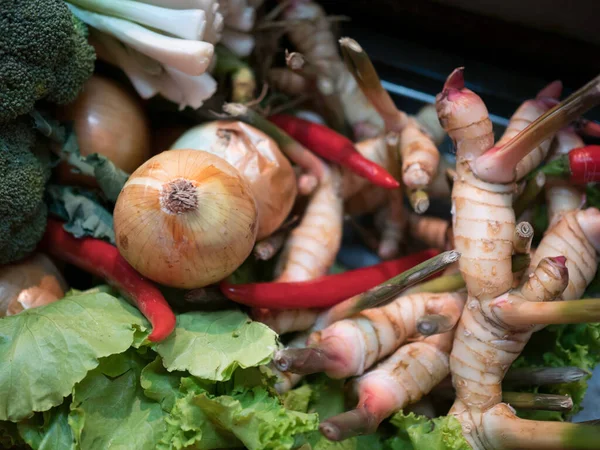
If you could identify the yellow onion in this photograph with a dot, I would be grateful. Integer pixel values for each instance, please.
(257, 158)
(108, 120)
(30, 283)
(186, 219)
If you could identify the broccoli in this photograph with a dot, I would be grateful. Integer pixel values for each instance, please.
(44, 54)
(24, 171)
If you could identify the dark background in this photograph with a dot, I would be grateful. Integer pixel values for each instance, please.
(510, 49)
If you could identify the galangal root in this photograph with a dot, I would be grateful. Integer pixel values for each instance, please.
(497, 321)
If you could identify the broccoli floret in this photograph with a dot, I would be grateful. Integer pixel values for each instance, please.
(44, 54)
(24, 172)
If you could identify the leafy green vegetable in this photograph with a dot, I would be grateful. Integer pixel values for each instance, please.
(257, 419)
(198, 415)
(109, 177)
(45, 351)
(110, 410)
(49, 430)
(82, 211)
(327, 400)
(160, 385)
(24, 171)
(45, 55)
(421, 433)
(560, 346)
(592, 195)
(298, 399)
(211, 345)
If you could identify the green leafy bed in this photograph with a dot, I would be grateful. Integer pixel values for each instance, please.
(81, 374)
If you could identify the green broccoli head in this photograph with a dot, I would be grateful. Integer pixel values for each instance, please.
(24, 171)
(44, 54)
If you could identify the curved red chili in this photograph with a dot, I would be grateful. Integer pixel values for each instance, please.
(322, 292)
(104, 260)
(334, 147)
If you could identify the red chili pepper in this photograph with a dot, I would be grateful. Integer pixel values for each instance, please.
(104, 260)
(334, 147)
(323, 292)
(584, 165)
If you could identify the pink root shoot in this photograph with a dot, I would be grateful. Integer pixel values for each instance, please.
(456, 80)
(552, 90)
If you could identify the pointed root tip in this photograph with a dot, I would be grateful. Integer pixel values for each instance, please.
(525, 230)
(559, 261)
(590, 128)
(426, 328)
(282, 361)
(552, 90)
(421, 206)
(456, 80)
(330, 431)
(548, 102)
(350, 43)
(451, 256)
(577, 374)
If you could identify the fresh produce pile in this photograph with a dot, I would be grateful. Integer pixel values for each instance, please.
(171, 233)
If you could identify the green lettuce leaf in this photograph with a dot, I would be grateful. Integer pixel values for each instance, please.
(298, 399)
(45, 351)
(160, 385)
(256, 418)
(561, 346)
(110, 410)
(211, 345)
(242, 411)
(49, 430)
(327, 400)
(82, 211)
(421, 433)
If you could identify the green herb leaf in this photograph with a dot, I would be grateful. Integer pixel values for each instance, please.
(110, 410)
(82, 211)
(327, 400)
(257, 419)
(161, 385)
(45, 351)
(211, 345)
(49, 430)
(298, 399)
(561, 346)
(422, 433)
